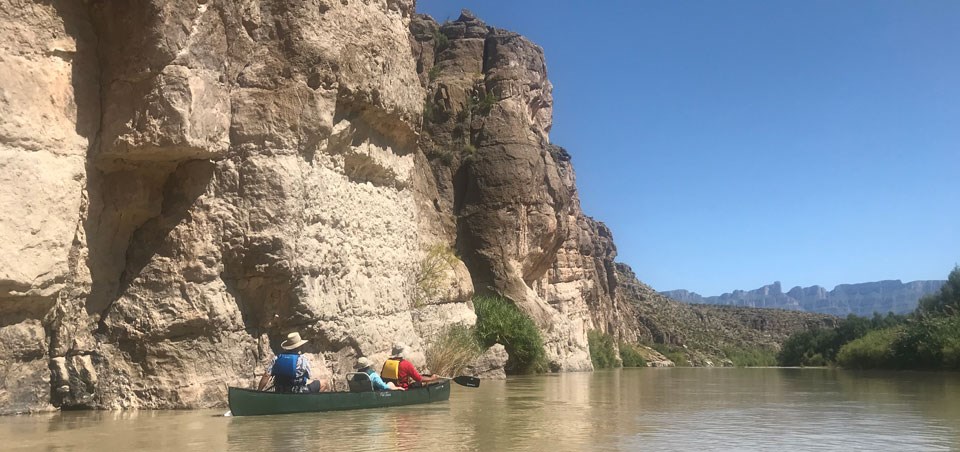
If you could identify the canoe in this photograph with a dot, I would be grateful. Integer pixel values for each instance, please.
(249, 402)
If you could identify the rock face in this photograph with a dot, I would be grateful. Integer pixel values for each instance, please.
(491, 365)
(862, 299)
(508, 193)
(185, 182)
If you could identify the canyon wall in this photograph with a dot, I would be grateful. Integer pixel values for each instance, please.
(185, 182)
(182, 183)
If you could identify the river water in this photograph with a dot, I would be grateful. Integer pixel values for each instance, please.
(630, 409)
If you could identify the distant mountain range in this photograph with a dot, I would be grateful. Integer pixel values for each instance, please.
(862, 299)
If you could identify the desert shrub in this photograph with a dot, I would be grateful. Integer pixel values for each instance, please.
(485, 104)
(463, 117)
(429, 275)
(674, 353)
(873, 350)
(947, 301)
(440, 41)
(631, 356)
(819, 347)
(476, 106)
(603, 355)
(751, 357)
(428, 111)
(929, 343)
(434, 72)
(806, 348)
(444, 156)
(499, 321)
(814, 360)
(454, 348)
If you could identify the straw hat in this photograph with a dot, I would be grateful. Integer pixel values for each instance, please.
(363, 363)
(293, 342)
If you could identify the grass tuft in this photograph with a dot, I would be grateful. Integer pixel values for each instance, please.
(429, 276)
(454, 348)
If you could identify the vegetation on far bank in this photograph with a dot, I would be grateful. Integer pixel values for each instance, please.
(603, 353)
(751, 357)
(929, 338)
(630, 356)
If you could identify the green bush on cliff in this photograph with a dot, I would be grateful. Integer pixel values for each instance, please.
(440, 41)
(603, 355)
(434, 73)
(499, 321)
(631, 356)
(443, 156)
(428, 111)
(485, 104)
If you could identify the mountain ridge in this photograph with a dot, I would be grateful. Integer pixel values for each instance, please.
(862, 299)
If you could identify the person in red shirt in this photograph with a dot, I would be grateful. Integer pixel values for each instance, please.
(402, 372)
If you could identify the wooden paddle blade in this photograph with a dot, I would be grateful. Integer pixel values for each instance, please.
(467, 380)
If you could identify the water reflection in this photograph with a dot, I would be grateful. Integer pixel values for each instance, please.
(660, 409)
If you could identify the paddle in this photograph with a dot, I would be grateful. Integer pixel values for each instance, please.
(464, 380)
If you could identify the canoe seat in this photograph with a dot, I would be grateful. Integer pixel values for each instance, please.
(359, 382)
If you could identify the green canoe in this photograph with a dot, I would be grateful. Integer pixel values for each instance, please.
(248, 402)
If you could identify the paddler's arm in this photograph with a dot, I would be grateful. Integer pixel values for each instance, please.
(263, 382)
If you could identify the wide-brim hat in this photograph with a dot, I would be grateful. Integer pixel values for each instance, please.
(363, 363)
(293, 341)
(398, 349)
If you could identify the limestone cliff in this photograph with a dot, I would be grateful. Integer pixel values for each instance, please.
(508, 193)
(184, 182)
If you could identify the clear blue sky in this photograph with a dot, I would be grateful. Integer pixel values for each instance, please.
(731, 144)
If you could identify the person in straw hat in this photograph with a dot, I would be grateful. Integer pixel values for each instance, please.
(291, 370)
(366, 366)
(401, 372)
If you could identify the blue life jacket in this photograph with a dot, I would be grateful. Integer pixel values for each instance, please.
(285, 371)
